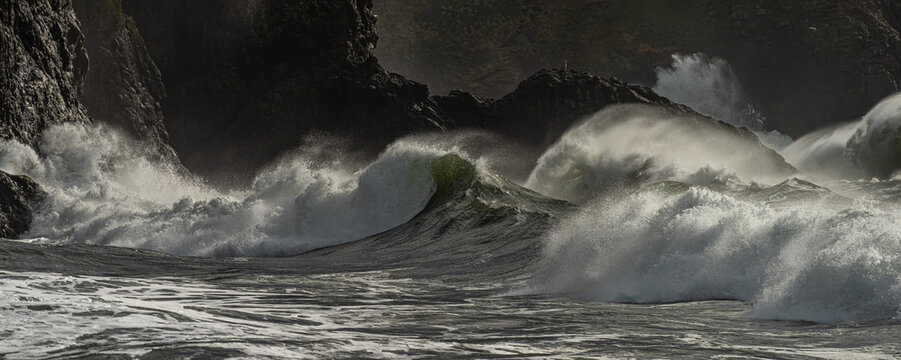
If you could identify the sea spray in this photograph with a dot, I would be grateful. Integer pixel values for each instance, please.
(859, 149)
(710, 87)
(626, 145)
(808, 262)
(103, 191)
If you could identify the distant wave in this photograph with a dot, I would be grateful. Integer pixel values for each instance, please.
(866, 148)
(638, 144)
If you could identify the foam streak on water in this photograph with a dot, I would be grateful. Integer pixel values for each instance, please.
(377, 315)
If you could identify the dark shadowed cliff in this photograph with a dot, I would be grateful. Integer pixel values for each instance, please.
(52, 73)
(804, 64)
(123, 86)
(248, 80)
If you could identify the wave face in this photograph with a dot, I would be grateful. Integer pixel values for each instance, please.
(103, 191)
(869, 147)
(626, 145)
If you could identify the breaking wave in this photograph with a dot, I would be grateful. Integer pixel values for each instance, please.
(103, 191)
(794, 251)
(866, 148)
(673, 208)
(807, 261)
(626, 145)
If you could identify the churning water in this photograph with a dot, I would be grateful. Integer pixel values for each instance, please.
(640, 233)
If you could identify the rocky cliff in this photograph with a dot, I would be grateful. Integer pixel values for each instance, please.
(123, 86)
(47, 78)
(248, 80)
(42, 67)
(804, 64)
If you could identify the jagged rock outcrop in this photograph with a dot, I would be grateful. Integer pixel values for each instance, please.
(547, 104)
(19, 195)
(804, 64)
(42, 66)
(123, 87)
(543, 106)
(248, 80)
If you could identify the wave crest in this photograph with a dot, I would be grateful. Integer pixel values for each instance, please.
(103, 191)
(637, 144)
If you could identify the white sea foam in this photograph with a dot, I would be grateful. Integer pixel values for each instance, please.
(805, 262)
(103, 191)
(61, 315)
(807, 259)
(637, 144)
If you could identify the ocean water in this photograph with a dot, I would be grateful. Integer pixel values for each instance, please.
(639, 234)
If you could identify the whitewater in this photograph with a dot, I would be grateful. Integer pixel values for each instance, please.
(640, 233)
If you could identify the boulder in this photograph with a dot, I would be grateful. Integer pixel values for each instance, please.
(19, 196)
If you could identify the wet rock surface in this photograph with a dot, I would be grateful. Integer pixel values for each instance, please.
(42, 67)
(19, 195)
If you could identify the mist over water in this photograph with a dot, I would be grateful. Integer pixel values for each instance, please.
(710, 87)
(633, 145)
(865, 148)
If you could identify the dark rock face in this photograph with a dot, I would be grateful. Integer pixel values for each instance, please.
(123, 86)
(804, 64)
(248, 80)
(18, 197)
(546, 104)
(42, 66)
